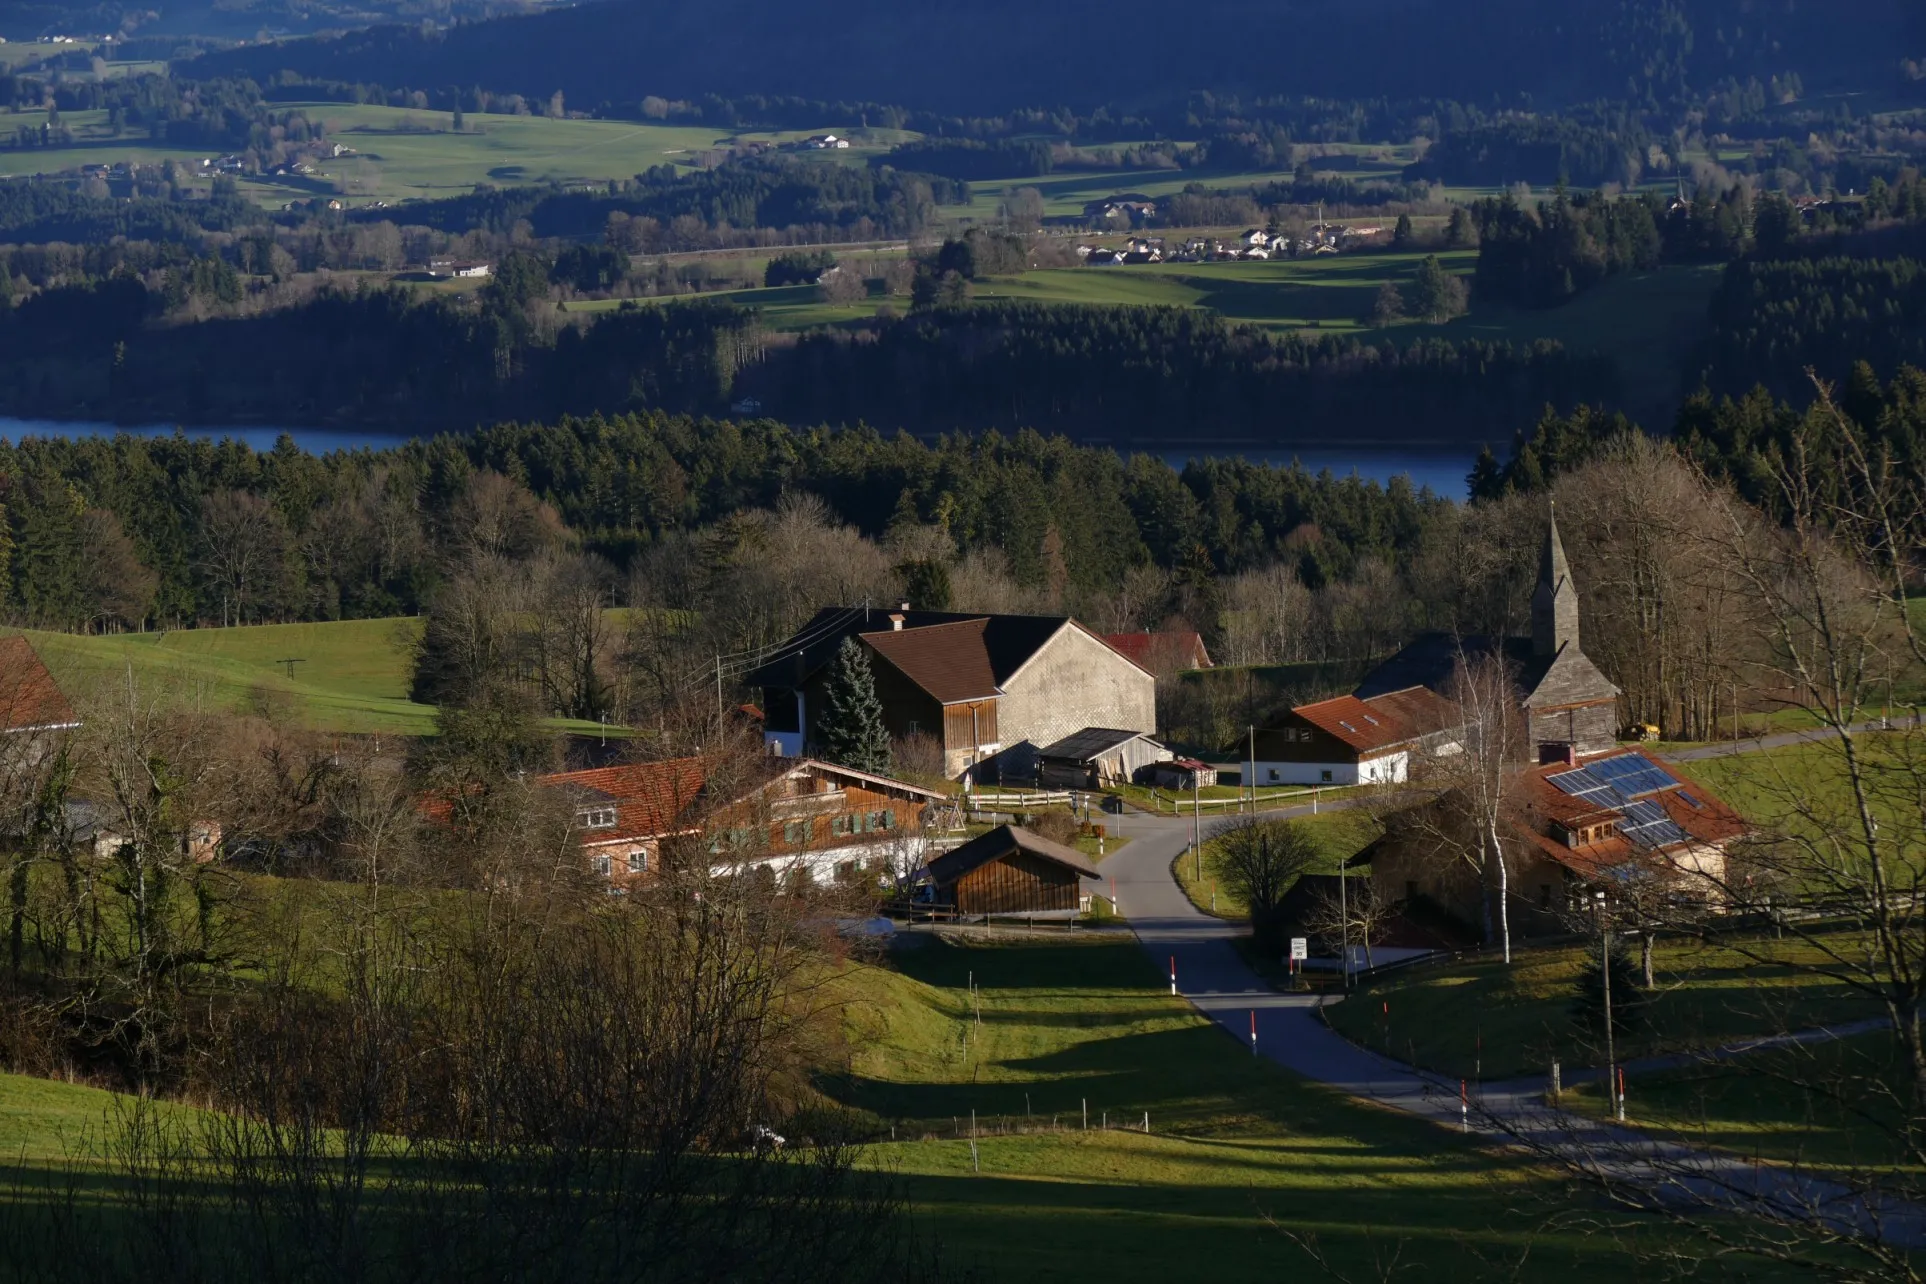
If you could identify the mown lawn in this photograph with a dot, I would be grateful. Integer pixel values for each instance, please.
(1492, 1020)
(1340, 835)
(1242, 1158)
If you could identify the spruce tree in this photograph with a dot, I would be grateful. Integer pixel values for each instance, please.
(851, 730)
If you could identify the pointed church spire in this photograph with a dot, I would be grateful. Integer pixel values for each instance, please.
(1554, 604)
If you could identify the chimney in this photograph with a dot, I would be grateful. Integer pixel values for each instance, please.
(1557, 753)
(902, 606)
(896, 622)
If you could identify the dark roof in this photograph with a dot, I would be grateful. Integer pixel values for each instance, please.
(1431, 659)
(1005, 840)
(1009, 640)
(949, 661)
(1089, 744)
(1395, 718)
(30, 699)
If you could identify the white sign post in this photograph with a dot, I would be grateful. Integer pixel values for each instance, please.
(1300, 950)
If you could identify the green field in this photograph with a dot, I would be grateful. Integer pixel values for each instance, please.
(1241, 1156)
(1498, 1020)
(1806, 1104)
(403, 154)
(351, 675)
(1340, 835)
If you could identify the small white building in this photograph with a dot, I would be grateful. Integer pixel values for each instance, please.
(1348, 741)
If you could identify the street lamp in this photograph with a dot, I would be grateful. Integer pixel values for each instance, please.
(1605, 975)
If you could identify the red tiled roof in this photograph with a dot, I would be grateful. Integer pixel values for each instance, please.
(29, 697)
(651, 798)
(1146, 649)
(1395, 718)
(949, 661)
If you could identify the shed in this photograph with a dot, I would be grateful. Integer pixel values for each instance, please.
(1182, 773)
(1096, 755)
(1011, 871)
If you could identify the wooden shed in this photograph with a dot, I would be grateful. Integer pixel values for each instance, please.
(1096, 756)
(1011, 871)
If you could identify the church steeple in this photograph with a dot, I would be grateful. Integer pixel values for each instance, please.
(1554, 604)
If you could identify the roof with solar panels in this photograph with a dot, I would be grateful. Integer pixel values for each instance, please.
(1605, 811)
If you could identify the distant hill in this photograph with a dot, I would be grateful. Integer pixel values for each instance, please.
(996, 54)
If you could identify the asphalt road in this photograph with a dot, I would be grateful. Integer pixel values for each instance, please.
(1217, 981)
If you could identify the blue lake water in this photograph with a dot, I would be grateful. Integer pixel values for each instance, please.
(1442, 469)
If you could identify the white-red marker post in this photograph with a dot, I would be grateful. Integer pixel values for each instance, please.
(1253, 1031)
(1464, 1107)
(1173, 975)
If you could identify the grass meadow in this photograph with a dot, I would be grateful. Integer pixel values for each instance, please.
(1244, 1163)
(1245, 1167)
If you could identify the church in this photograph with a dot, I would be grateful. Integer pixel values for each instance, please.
(1570, 705)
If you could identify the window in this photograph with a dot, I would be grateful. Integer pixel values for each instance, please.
(600, 863)
(596, 818)
(1325, 775)
(1273, 775)
(839, 825)
(881, 820)
(796, 833)
(639, 861)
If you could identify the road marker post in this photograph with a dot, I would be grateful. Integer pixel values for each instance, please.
(1621, 1094)
(1173, 975)
(1253, 1031)
(1464, 1108)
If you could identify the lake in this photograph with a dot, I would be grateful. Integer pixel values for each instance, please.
(1443, 469)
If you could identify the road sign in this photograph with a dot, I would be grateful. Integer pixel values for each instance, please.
(1300, 949)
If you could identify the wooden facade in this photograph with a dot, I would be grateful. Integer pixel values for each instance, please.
(1010, 871)
(1019, 883)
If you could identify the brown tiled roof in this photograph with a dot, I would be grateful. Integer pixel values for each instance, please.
(1003, 841)
(1395, 718)
(1146, 649)
(29, 697)
(949, 661)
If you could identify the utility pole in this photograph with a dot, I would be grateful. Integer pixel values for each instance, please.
(1611, 1056)
(1344, 926)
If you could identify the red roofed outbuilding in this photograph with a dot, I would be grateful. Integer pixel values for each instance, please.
(1348, 741)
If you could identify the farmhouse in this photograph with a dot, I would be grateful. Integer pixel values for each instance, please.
(796, 818)
(1181, 773)
(1097, 756)
(1565, 699)
(1348, 741)
(990, 688)
(450, 269)
(1623, 822)
(1010, 871)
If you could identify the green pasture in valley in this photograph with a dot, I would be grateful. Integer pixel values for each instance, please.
(1244, 1163)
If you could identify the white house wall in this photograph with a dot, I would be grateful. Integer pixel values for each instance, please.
(1390, 769)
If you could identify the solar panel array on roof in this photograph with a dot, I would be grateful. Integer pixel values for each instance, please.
(1615, 784)
(1633, 774)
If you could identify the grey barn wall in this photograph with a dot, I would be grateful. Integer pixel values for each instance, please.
(1075, 681)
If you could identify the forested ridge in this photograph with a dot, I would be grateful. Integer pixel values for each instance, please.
(604, 54)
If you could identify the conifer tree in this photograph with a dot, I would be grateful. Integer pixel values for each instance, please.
(852, 731)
